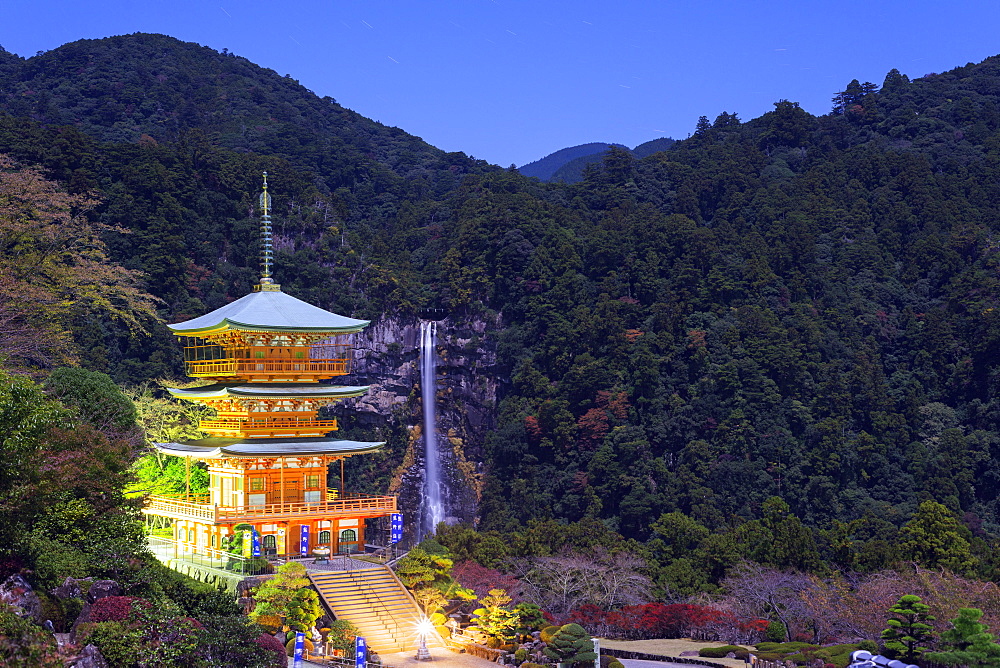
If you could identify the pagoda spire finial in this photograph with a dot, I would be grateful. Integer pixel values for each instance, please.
(267, 283)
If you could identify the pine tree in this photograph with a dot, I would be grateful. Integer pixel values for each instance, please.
(967, 643)
(572, 644)
(908, 629)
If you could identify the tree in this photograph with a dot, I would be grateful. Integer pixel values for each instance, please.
(936, 539)
(94, 395)
(571, 644)
(428, 577)
(56, 268)
(908, 629)
(303, 610)
(277, 596)
(967, 642)
(495, 618)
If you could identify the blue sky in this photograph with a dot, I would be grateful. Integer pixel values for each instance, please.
(510, 81)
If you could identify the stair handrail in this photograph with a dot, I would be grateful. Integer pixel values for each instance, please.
(412, 600)
(369, 593)
(383, 553)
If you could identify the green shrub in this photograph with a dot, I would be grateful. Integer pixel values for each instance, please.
(718, 652)
(520, 655)
(572, 644)
(116, 641)
(290, 645)
(786, 647)
(22, 643)
(838, 655)
(869, 646)
(548, 633)
(768, 656)
(55, 561)
(533, 665)
(776, 632)
(616, 664)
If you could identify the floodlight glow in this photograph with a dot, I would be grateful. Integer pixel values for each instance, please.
(424, 626)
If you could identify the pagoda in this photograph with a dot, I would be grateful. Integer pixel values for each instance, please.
(266, 355)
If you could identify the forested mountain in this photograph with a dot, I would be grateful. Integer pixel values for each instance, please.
(792, 306)
(544, 168)
(567, 165)
(120, 88)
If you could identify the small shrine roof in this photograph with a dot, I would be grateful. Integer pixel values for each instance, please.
(270, 391)
(221, 448)
(271, 311)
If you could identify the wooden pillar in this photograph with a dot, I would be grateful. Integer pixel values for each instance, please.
(341, 478)
(281, 479)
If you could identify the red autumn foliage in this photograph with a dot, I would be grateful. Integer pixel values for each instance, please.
(593, 425)
(269, 642)
(112, 608)
(532, 427)
(480, 579)
(658, 620)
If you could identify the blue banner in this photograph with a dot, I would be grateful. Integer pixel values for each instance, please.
(360, 652)
(300, 646)
(256, 543)
(395, 528)
(303, 540)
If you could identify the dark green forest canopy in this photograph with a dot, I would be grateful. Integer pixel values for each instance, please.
(792, 306)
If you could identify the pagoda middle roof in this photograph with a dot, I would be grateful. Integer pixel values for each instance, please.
(269, 311)
(270, 391)
(221, 448)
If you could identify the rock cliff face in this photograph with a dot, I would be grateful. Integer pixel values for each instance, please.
(387, 357)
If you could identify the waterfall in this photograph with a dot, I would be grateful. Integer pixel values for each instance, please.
(432, 507)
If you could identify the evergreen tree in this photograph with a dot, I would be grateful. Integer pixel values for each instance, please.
(936, 539)
(908, 629)
(571, 644)
(967, 642)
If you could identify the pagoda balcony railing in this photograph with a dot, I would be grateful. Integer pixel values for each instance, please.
(268, 426)
(350, 506)
(244, 367)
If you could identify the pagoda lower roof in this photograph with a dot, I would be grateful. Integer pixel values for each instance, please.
(271, 311)
(223, 448)
(270, 391)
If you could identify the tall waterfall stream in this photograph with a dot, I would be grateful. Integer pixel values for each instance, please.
(432, 508)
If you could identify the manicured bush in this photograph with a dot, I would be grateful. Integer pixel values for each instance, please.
(290, 646)
(548, 633)
(786, 647)
(776, 632)
(520, 655)
(572, 644)
(616, 664)
(718, 652)
(273, 645)
(869, 646)
(837, 656)
(112, 608)
(116, 641)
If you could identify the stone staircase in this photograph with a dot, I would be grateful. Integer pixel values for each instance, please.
(375, 601)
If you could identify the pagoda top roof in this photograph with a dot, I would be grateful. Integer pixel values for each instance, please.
(269, 311)
(270, 391)
(222, 448)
